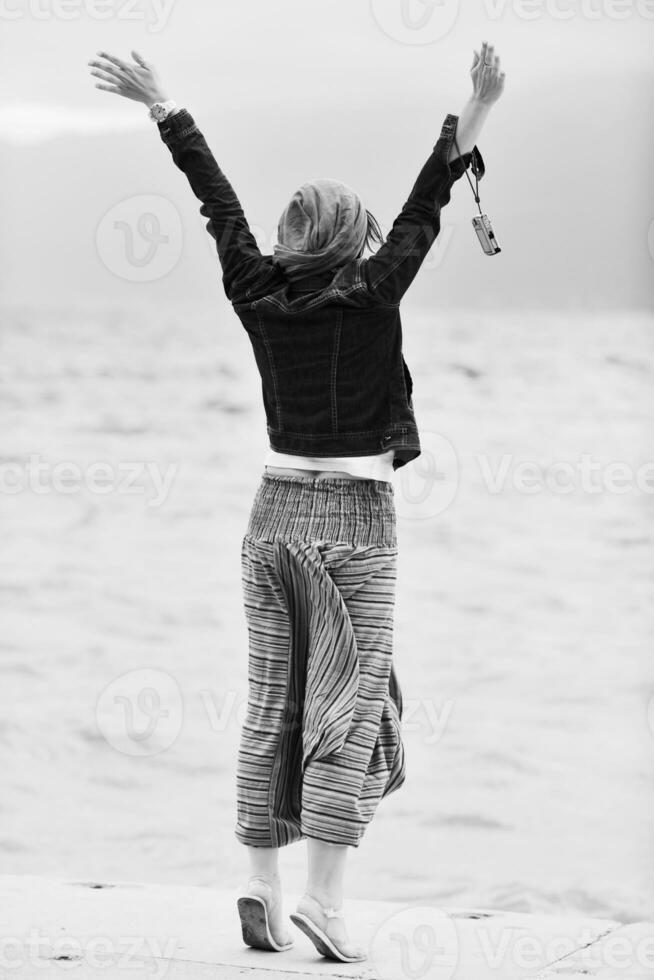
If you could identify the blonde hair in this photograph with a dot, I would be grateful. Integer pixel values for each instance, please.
(373, 233)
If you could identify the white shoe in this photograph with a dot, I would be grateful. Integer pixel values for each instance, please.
(316, 931)
(253, 911)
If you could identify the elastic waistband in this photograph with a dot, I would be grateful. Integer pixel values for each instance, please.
(359, 512)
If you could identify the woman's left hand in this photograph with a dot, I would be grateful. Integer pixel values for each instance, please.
(138, 81)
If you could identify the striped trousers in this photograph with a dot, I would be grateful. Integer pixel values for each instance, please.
(320, 744)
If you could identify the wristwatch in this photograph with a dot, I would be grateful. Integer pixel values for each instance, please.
(161, 110)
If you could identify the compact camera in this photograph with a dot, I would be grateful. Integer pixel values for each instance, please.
(481, 224)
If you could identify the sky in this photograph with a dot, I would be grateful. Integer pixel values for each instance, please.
(285, 89)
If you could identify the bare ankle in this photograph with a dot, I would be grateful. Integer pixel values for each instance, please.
(271, 876)
(326, 898)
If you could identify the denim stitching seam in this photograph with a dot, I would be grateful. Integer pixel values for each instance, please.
(335, 353)
(273, 372)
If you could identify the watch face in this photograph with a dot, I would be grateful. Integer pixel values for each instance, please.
(158, 112)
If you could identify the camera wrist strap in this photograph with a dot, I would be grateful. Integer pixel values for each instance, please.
(474, 170)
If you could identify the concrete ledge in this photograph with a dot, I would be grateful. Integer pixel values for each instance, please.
(104, 930)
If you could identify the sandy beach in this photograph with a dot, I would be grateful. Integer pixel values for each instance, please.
(131, 450)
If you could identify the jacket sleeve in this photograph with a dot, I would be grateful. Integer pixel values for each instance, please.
(390, 272)
(238, 252)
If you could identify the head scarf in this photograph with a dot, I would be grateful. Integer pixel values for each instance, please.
(324, 225)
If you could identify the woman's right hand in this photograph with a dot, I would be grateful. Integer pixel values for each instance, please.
(487, 79)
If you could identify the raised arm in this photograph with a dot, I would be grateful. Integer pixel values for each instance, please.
(487, 86)
(240, 257)
(390, 272)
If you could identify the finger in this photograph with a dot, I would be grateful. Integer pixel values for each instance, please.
(475, 59)
(140, 60)
(105, 65)
(114, 61)
(108, 88)
(105, 76)
(111, 70)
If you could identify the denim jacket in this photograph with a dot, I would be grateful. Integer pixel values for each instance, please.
(328, 347)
